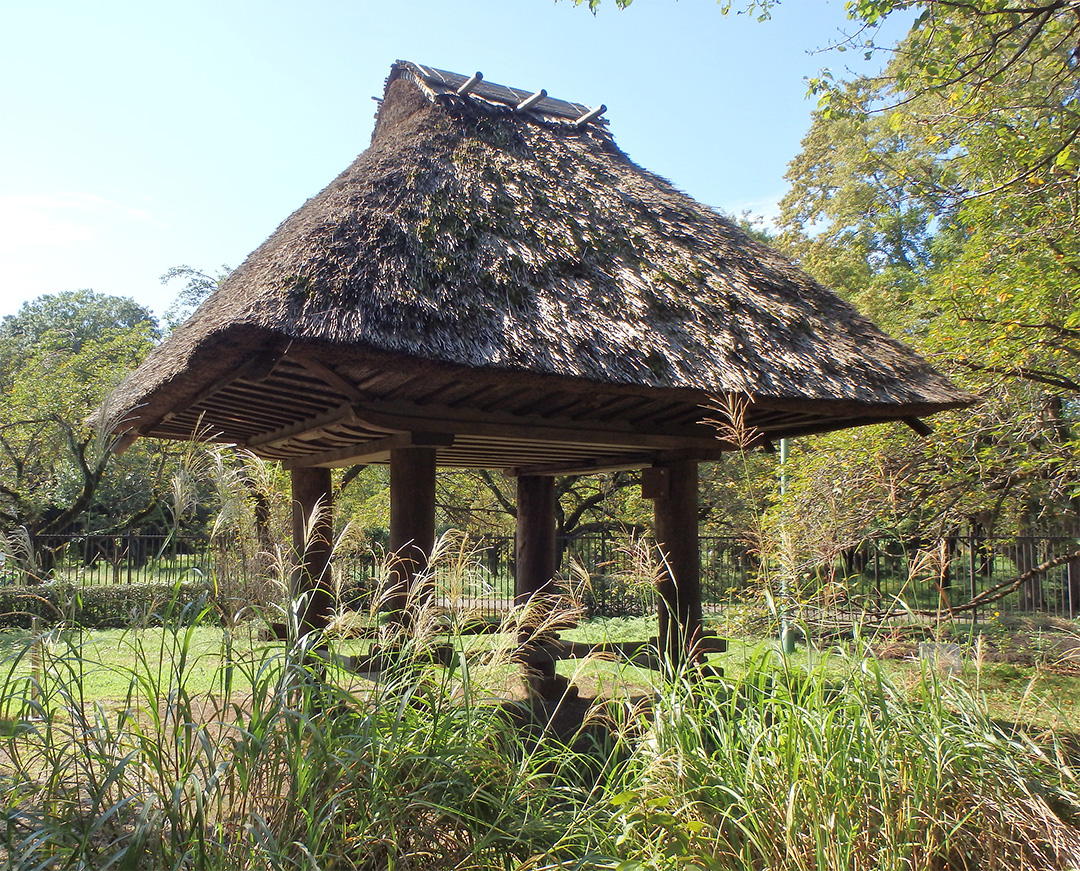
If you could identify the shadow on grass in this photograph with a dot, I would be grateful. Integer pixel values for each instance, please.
(15, 642)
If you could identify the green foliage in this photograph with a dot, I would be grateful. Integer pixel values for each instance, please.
(283, 762)
(54, 373)
(68, 319)
(59, 358)
(954, 166)
(784, 769)
(237, 755)
(941, 197)
(196, 289)
(101, 607)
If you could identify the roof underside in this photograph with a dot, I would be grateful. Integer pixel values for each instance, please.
(321, 406)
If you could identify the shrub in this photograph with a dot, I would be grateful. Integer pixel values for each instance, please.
(100, 607)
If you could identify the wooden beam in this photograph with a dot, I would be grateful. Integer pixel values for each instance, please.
(655, 482)
(406, 417)
(616, 462)
(262, 365)
(371, 451)
(535, 556)
(534, 542)
(256, 365)
(125, 441)
(436, 420)
(586, 467)
(822, 426)
(920, 427)
(331, 377)
(335, 417)
(845, 408)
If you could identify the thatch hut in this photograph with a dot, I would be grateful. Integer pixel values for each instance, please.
(494, 284)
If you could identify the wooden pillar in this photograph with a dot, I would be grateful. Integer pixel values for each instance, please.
(534, 557)
(313, 541)
(534, 546)
(412, 522)
(673, 487)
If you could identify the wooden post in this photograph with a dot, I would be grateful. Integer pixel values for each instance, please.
(673, 487)
(313, 541)
(534, 549)
(412, 522)
(534, 546)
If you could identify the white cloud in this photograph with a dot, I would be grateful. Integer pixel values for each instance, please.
(52, 242)
(57, 220)
(767, 208)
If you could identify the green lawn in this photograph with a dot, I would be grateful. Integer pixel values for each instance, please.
(112, 665)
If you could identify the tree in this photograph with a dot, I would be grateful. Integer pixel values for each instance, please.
(942, 197)
(59, 356)
(960, 207)
(73, 317)
(197, 287)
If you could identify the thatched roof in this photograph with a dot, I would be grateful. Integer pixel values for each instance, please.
(473, 238)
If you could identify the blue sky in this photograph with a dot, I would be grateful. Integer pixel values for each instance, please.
(139, 136)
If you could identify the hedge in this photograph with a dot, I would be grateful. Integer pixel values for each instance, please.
(102, 607)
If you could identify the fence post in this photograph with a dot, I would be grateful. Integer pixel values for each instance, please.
(36, 659)
(877, 570)
(972, 566)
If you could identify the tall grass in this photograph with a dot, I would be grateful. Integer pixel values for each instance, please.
(788, 768)
(287, 761)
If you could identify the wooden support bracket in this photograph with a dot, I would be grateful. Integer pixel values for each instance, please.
(655, 482)
(372, 451)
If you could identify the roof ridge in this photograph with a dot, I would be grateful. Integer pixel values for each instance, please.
(443, 85)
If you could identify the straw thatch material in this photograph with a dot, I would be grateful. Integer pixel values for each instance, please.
(473, 237)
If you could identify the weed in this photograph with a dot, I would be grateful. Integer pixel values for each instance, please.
(238, 754)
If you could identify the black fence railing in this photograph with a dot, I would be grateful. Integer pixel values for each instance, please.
(1016, 575)
(86, 560)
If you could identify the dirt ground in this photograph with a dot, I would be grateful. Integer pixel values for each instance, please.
(1054, 649)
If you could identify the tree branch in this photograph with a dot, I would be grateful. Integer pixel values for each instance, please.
(998, 591)
(1036, 376)
(489, 480)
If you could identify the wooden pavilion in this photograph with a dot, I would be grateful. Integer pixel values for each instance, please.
(494, 284)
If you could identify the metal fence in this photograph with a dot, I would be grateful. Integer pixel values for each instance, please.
(876, 577)
(1019, 575)
(85, 560)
